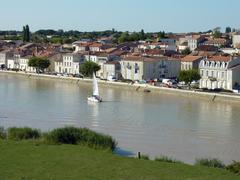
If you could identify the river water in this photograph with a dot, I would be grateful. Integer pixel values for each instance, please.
(184, 128)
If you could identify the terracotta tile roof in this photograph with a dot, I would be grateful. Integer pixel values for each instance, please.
(190, 58)
(207, 48)
(220, 41)
(112, 62)
(140, 58)
(95, 45)
(220, 58)
(154, 52)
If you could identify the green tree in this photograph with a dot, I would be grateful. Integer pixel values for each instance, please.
(217, 34)
(142, 35)
(228, 30)
(188, 76)
(123, 38)
(26, 34)
(186, 51)
(161, 34)
(88, 68)
(39, 63)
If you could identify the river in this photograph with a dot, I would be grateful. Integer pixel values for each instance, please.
(184, 128)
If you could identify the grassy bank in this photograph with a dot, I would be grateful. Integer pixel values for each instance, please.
(34, 160)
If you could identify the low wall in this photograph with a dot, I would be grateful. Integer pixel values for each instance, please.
(134, 87)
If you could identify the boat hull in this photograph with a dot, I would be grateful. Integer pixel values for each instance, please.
(94, 99)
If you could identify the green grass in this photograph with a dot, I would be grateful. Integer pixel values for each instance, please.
(216, 163)
(36, 160)
(163, 158)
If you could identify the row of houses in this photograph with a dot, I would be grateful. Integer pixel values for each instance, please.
(135, 61)
(216, 71)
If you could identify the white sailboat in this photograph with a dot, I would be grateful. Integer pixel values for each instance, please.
(95, 97)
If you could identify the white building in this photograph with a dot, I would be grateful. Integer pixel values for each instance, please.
(4, 56)
(190, 62)
(194, 41)
(81, 46)
(220, 72)
(236, 40)
(146, 68)
(111, 69)
(23, 64)
(230, 51)
(70, 63)
(13, 62)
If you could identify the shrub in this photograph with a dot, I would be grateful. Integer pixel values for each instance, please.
(72, 135)
(234, 167)
(3, 134)
(166, 159)
(210, 163)
(23, 133)
(143, 156)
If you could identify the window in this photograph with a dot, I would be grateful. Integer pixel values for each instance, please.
(206, 73)
(136, 68)
(222, 74)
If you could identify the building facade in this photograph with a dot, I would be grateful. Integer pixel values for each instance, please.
(190, 62)
(4, 56)
(194, 41)
(147, 68)
(70, 63)
(236, 40)
(220, 72)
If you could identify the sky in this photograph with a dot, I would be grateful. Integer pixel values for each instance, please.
(122, 15)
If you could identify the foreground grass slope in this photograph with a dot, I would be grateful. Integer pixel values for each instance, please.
(32, 160)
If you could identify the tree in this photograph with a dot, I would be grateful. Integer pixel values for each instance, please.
(186, 51)
(39, 63)
(26, 34)
(188, 76)
(161, 34)
(88, 68)
(142, 35)
(123, 38)
(228, 30)
(217, 34)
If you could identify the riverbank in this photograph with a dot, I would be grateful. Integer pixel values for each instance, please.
(217, 97)
(34, 160)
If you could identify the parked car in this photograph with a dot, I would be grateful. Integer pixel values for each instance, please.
(111, 78)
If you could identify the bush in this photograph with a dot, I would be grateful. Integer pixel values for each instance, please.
(3, 133)
(143, 156)
(72, 135)
(166, 159)
(210, 163)
(23, 133)
(234, 167)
